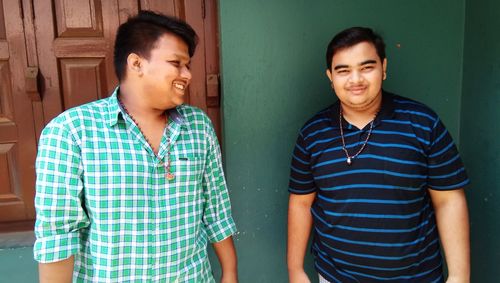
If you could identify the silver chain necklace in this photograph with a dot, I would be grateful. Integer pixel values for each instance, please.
(349, 158)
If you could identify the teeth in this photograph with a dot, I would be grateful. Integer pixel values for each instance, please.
(179, 86)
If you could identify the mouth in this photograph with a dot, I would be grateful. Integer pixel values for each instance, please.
(357, 89)
(180, 85)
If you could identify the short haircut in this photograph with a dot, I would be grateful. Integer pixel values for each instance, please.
(140, 33)
(352, 36)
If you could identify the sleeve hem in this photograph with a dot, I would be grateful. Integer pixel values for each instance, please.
(221, 230)
(461, 185)
(301, 192)
(56, 248)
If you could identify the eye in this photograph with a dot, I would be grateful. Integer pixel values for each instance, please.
(343, 71)
(175, 63)
(179, 64)
(367, 68)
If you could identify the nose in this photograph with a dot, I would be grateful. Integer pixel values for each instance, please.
(356, 77)
(186, 73)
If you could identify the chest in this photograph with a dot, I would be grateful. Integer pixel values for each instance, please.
(384, 156)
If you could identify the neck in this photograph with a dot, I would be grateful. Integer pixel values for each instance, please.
(360, 117)
(137, 107)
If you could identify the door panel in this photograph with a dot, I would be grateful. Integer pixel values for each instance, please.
(78, 18)
(17, 130)
(83, 79)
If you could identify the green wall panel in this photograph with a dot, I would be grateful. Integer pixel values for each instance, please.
(273, 80)
(480, 129)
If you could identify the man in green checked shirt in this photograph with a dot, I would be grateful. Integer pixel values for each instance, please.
(130, 188)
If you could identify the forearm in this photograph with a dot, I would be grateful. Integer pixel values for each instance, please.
(453, 224)
(56, 272)
(299, 229)
(226, 253)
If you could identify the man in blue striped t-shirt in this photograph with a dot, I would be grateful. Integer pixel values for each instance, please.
(378, 180)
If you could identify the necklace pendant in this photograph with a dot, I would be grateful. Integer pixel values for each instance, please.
(170, 176)
(349, 161)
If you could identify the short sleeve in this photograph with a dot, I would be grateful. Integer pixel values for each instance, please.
(217, 215)
(445, 167)
(301, 178)
(58, 199)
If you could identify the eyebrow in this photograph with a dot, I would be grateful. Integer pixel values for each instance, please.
(340, 67)
(368, 62)
(180, 55)
(361, 64)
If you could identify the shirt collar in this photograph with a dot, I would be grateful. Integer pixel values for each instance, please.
(114, 109)
(116, 112)
(386, 109)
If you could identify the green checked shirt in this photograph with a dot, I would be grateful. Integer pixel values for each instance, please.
(102, 196)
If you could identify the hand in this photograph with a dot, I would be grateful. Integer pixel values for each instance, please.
(298, 276)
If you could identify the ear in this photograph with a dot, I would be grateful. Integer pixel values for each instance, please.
(329, 75)
(384, 68)
(134, 64)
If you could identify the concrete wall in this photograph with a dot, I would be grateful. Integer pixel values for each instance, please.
(273, 78)
(479, 134)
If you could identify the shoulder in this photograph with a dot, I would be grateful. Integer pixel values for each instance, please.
(321, 120)
(76, 118)
(409, 109)
(197, 125)
(193, 114)
(195, 119)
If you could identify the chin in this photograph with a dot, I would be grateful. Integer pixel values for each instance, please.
(176, 103)
(357, 102)
(179, 101)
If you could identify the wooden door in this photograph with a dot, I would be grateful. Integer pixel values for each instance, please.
(75, 49)
(17, 126)
(69, 45)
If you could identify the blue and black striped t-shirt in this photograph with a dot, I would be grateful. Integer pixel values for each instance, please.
(373, 220)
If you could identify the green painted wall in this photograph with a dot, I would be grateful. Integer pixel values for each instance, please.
(273, 79)
(18, 266)
(480, 129)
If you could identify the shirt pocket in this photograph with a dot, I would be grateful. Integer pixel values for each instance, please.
(188, 170)
(188, 189)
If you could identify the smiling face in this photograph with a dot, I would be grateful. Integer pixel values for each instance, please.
(356, 74)
(166, 75)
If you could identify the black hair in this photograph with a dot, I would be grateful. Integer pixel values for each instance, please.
(352, 36)
(140, 33)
